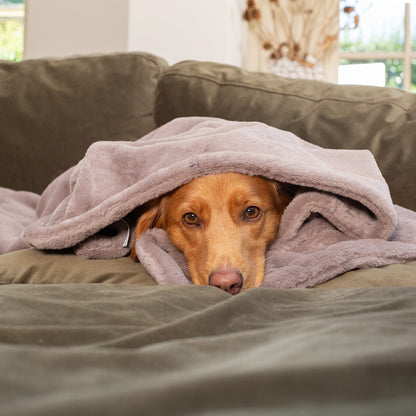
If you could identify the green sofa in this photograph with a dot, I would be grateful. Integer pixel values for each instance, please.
(90, 337)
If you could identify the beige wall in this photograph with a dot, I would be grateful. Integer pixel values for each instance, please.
(61, 28)
(174, 29)
(187, 29)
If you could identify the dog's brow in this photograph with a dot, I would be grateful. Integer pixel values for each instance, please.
(246, 197)
(191, 205)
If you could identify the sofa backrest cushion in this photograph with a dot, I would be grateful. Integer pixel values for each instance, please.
(382, 120)
(51, 110)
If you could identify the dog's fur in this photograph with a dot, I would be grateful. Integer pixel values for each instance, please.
(223, 224)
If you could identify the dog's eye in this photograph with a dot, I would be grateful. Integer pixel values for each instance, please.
(190, 219)
(252, 213)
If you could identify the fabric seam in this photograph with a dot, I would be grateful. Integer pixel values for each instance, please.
(240, 85)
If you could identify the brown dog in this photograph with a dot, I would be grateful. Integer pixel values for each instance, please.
(223, 224)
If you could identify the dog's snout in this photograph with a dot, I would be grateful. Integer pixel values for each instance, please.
(227, 279)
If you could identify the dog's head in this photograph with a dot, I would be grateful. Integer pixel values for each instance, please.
(223, 224)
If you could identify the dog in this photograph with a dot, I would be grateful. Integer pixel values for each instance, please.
(223, 224)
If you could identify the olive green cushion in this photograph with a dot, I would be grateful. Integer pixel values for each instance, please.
(51, 110)
(390, 276)
(329, 115)
(39, 267)
(123, 350)
(34, 266)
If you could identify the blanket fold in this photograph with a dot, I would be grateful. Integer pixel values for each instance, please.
(341, 218)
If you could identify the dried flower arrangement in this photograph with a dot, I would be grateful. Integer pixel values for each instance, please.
(308, 45)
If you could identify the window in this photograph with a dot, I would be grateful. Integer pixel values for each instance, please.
(11, 29)
(382, 49)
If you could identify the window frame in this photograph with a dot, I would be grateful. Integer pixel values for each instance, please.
(406, 55)
(12, 11)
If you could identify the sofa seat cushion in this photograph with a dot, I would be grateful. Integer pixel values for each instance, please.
(40, 267)
(382, 120)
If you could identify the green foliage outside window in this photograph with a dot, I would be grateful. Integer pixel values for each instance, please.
(394, 67)
(11, 34)
(11, 40)
(6, 2)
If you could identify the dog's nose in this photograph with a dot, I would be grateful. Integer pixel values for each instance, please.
(227, 279)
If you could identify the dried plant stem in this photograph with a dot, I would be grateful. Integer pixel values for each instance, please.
(305, 37)
(277, 25)
(264, 33)
(324, 25)
(329, 40)
(260, 32)
(284, 23)
(314, 17)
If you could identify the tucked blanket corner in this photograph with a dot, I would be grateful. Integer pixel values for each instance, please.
(341, 218)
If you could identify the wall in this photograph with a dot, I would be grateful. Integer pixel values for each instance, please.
(174, 29)
(187, 29)
(61, 28)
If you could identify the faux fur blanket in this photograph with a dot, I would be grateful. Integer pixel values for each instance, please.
(341, 218)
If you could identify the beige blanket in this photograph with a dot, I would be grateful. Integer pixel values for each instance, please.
(342, 217)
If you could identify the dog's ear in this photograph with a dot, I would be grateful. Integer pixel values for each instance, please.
(285, 193)
(151, 217)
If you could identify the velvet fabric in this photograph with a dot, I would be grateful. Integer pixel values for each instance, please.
(101, 349)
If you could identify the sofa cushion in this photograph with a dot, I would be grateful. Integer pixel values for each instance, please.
(382, 120)
(51, 110)
(39, 267)
(34, 266)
